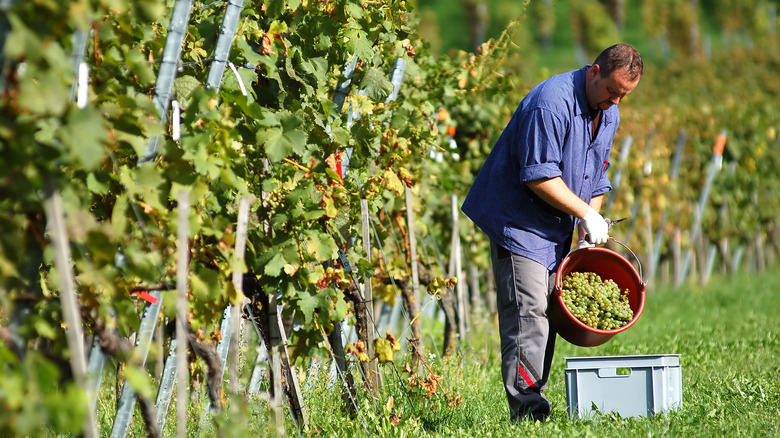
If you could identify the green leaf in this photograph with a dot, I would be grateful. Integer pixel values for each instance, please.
(330, 208)
(183, 87)
(376, 84)
(44, 328)
(84, 136)
(119, 219)
(308, 303)
(280, 143)
(205, 285)
(97, 183)
(276, 146)
(139, 381)
(320, 245)
(314, 214)
(340, 312)
(274, 267)
(355, 41)
(354, 10)
(44, 93)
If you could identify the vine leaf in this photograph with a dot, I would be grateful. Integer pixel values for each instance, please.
(139, 381)
(284, 140)
(274, 266)
(383, 350)
(321, 246)
(376, 84)
(355, 41)
(45, 94)
(393, 183)
(308, 303)
(84, 136)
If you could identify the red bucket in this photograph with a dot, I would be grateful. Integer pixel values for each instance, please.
(609, 265)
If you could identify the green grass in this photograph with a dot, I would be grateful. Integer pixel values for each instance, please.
(727, 337)
(726, 334)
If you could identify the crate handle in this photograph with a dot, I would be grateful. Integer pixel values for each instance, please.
(613, 372)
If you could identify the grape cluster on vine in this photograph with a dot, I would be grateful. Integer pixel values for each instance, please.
(595, 302)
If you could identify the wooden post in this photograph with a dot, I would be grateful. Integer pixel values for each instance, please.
(238, 276)
(414, 295)
(182, 269)
(159, 354)
(649, 233)
(457, 271)
(677, 256)
(707, 271)
(298, 408)
(71, 310)
(276, 393)
(758, 239)
(624, 150)
(368, 296)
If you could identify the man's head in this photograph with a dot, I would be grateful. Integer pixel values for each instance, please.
(614, 74)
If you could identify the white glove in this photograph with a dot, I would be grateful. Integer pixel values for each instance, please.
(596, 227)
(583, 244)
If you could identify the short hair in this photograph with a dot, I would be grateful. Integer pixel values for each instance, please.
(620, 56)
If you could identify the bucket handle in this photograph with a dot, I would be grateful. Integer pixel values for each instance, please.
(632, 253)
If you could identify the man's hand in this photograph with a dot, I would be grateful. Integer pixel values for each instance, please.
(583, 244)
(596, 227)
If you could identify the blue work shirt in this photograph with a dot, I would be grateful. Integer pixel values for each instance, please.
(548, 136)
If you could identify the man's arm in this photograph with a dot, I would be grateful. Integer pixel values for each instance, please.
(556, 193)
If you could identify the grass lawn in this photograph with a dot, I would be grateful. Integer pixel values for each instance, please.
(728, 338)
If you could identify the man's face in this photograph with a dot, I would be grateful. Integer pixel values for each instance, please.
(603, 92)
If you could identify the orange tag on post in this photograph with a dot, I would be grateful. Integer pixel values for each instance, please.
(144, 295)
(720, 144)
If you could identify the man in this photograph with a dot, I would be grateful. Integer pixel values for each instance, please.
(546, 175)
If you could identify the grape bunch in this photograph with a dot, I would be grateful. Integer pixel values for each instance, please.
(597, 303)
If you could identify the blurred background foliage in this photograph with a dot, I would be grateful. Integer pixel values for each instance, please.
(566, 34)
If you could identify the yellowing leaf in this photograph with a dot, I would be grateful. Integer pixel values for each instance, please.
(383, 350)
(393, 183)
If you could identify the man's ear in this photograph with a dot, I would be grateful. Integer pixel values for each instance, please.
(595, 70)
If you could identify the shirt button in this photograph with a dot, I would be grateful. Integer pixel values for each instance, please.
(586, 177)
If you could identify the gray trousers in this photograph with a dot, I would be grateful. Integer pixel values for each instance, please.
(524, 288)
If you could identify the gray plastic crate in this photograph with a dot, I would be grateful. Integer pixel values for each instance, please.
(631, 386)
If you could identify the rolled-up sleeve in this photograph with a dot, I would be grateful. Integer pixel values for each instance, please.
(603, 186)
(542, 133)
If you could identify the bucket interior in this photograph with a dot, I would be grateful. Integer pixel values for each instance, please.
(608, 264)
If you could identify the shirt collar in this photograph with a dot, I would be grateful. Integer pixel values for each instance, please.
(582, 98)
(579, 90)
